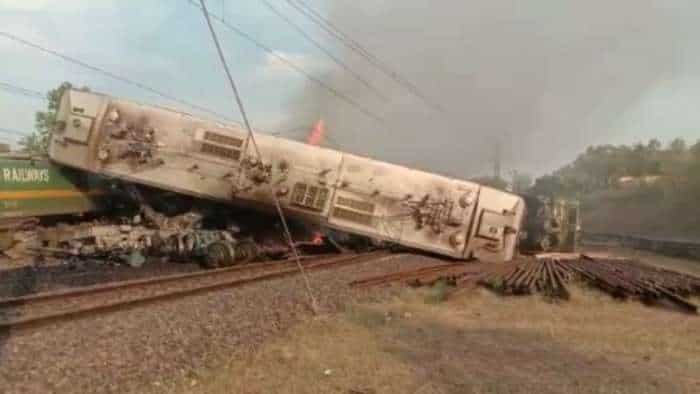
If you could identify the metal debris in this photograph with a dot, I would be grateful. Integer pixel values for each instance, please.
(133, 244)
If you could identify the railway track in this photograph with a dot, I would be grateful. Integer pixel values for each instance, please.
(33, 279)
(419, 276)
(45, 308)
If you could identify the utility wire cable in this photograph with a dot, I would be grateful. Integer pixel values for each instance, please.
(323, 49)
(251, 135)
(292, 65)
(10, 88)
(110, 74)
(331, 29)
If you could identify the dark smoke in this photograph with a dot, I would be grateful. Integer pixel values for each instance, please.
(545, 77)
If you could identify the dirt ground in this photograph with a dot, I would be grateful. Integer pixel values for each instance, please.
(476, 342)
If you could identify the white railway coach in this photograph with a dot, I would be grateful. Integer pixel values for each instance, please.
(179, 152)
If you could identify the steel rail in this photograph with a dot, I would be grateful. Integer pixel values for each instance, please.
(124, 284)
(113, 305)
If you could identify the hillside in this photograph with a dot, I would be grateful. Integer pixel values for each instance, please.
(647, 211)
(640, 189)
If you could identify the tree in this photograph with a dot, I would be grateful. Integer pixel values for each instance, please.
(548, 185)
(654, 145)
(695, 150)
(636, 162)
(521, 182)
(33, 143)
(44, 121)
(677, 145)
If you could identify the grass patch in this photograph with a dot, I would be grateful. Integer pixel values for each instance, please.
(438, 292)
(366, 316)
(476, 342)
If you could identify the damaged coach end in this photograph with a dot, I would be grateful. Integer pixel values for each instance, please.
(178, 152)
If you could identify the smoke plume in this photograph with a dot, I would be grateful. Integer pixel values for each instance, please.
(545, 78)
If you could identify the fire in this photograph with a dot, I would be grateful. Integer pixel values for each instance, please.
(317, 133)
(317, 239)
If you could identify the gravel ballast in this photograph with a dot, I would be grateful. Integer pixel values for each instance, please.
(152, 347)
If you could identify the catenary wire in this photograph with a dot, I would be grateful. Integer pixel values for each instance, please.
(335, 92)
(110, 74)
(325, 50)
(251, 136)
(330, 28)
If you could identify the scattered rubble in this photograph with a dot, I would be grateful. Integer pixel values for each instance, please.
(162, 226)
(133, 244)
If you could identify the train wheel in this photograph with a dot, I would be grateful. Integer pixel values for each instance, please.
(246, 251)
(219, 254)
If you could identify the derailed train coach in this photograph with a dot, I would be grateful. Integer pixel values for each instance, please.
(175, 151)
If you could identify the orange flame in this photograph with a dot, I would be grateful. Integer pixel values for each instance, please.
(317, 238)
(317, 133)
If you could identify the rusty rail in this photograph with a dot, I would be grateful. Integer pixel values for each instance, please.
(617, 277)
(125, 284)
(112, 302)
(404, 275)
(552, 275)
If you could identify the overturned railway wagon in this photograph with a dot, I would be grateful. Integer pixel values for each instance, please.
(182, 153)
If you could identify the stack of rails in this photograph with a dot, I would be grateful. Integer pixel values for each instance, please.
(620, 278)
(551, 276)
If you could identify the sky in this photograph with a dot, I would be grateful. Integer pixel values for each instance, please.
(546, 78)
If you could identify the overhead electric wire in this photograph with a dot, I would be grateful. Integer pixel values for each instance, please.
(323, 49)
(344, 38)
(111, 74)
(251, 136)
(10, 88)
(292, 65)
(330, 27)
